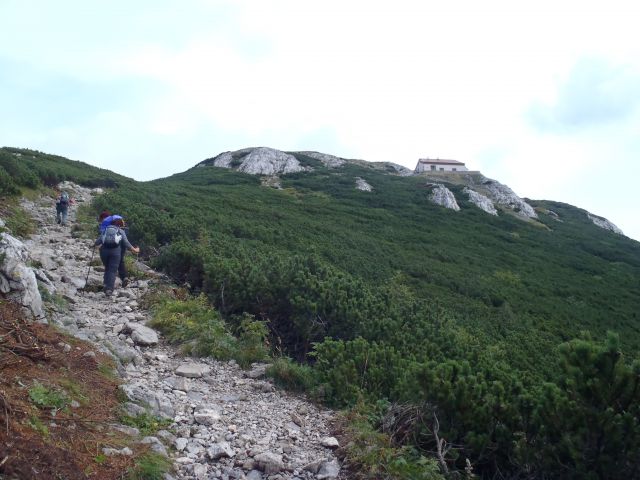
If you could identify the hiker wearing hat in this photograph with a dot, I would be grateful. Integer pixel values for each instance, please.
(113, 242)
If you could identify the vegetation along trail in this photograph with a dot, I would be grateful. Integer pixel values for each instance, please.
(221, 422)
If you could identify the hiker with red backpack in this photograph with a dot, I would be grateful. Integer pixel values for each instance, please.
(113, 244)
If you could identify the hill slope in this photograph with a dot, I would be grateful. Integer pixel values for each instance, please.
(502, 277)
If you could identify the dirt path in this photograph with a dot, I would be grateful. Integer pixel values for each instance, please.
(226, 423)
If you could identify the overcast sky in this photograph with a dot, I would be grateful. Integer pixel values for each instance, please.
(544, 98)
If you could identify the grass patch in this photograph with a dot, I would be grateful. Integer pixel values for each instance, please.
(46, 397)
(53, 299)
(17, 220)
(74, 390)
(151, 466)
(133, 272)
(147, 424)
(107, 371)
(38, 425)
(291, 375)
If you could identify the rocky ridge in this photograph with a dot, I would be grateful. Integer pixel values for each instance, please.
(225, 423)
(481, 191)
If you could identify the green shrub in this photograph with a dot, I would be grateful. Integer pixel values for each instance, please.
(252, 341)
(377, 457)
(18, 221)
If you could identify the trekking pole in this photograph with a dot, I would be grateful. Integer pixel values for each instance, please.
(138, 279)
(86, 280)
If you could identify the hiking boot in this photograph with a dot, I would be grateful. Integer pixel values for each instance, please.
(125, 282)
(108, 293)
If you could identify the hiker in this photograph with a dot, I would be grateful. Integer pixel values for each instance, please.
(112, 241)
(105, 219)
(62, 208)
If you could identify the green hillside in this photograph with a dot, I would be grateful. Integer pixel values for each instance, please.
(495, 325)
(24, 168)
(502, 277)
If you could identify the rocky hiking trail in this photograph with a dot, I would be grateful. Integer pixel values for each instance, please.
(224, 423)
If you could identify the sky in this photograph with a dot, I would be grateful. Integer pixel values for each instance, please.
(543, 96)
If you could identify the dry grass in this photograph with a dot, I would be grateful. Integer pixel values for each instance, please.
(40, 440)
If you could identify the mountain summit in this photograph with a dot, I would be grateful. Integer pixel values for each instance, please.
(486, 194)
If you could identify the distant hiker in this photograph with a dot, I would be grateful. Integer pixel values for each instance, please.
(113, 242)
(62, 208)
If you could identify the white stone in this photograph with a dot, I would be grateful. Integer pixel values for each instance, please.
(330, 442)
(257, 371)
(192, 370)
(207, 416)
(200, 471)
(328, 470)
(361, 184)
(269, 463)
(111, 452)
(181, 443)
(142, 335)
(220, 450)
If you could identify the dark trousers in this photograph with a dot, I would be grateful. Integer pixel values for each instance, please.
(111, 260)
(61, 214)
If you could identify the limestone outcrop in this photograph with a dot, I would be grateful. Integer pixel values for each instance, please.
(328, 161)
(399, 169)
(257, 161)
(604, 223)
(480, 201)
(361, 184)
(17, 279)
(504, 196)
(441, 195)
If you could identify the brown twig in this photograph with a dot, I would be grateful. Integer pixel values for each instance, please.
(441, 444)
